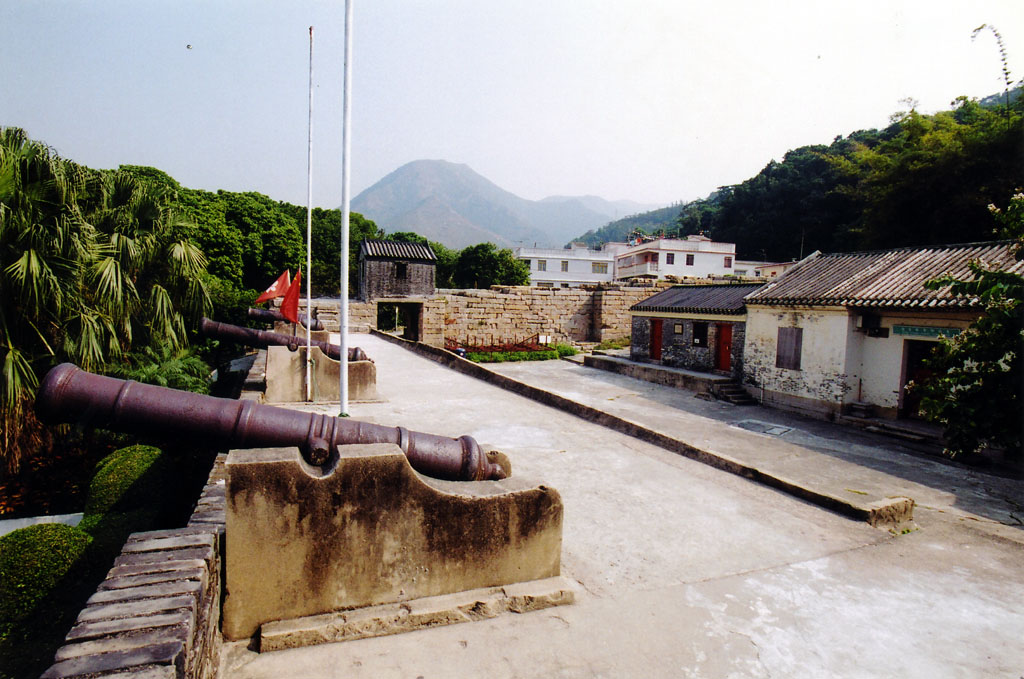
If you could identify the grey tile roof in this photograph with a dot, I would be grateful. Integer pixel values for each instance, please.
(711, 299)
(885, 278)
(393, 249)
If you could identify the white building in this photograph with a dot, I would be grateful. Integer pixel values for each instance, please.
(852, 330)
(692, 257)
(569, 267)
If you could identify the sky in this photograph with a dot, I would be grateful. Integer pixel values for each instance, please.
(656, 101)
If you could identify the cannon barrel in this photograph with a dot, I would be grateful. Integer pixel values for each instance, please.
(71, 395)
(263, 338)
(271, 315)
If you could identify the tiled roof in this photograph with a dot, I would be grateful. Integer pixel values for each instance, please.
(712, 299)
(393, 249)
(886, 278)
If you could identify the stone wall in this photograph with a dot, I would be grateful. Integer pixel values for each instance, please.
(503, 313)
(157, 613)
(388, 278)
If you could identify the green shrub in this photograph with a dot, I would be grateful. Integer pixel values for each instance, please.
(565, 350)
(115, 482)
(620, 343)
(33, 561)
(503, 356)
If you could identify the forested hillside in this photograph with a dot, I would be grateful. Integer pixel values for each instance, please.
(925, 179)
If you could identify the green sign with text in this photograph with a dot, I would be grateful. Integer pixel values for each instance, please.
(924, 331)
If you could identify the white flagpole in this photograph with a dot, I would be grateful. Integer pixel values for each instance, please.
(309, 230)
(346, 143)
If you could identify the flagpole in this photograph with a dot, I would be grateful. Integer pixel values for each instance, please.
(346, 143)
(309, 230)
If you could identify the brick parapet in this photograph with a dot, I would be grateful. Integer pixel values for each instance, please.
(157, 613)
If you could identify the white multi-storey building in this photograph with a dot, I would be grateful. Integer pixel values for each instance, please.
(692, 257)
(570, 267)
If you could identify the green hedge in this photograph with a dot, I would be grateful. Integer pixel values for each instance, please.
(33, 561)
(503, 356)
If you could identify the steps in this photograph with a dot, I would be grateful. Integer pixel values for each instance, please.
(734, 393)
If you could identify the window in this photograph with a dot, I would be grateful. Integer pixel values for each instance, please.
(787, 350)
(527, 262)
(599, 267)
(728, 262)
(689, 260)
(545, 284)
(565, 285)
(700, 334)
(670, 258)
(565, 266)
(401, 270)
(542, 265)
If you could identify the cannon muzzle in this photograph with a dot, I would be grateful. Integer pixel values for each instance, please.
(264, 338)
(71, 395)
(271, 315)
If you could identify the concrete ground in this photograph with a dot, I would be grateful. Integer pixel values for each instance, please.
(688, 571)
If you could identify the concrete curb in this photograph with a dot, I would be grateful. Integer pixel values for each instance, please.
(885, 512)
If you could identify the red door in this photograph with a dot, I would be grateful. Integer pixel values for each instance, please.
(723, 347)
(656, 339)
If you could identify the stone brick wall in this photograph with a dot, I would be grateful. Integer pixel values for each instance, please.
(157, 613)
(382, 278)
(504, 313)
(678, 350)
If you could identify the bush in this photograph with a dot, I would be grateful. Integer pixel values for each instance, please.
(115, 483)
(33, 561)
(504, 356)
(620, 343)
(565, 350)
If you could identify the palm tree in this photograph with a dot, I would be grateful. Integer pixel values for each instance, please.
(45, 245)
(91, 265)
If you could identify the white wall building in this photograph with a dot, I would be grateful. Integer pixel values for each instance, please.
(845, 329)
(692, 257)
(569, 267)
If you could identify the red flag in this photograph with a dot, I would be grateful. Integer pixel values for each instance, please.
(290, 304)
(278, 289)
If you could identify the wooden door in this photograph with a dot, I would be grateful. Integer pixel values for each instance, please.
(723, 347)
(656, 324)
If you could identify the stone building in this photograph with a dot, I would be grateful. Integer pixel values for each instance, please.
(847, 332)
(390, 269)
(697, 327)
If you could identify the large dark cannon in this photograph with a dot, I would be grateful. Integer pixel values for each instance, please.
(271, 315)
(69, 394)
(264, 338)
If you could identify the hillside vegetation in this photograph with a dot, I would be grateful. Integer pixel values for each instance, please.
(923, 180)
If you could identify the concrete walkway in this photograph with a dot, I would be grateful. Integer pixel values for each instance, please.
(685, 570)
(831, 459)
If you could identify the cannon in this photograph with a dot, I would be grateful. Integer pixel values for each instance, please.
(263, 338)
(69, 394)
(271, 315)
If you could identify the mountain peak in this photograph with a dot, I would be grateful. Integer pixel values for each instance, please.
(452, 204)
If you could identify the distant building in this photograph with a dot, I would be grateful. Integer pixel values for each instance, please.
(569, 267)
(692, 257)
(772, 270)
(389, 269)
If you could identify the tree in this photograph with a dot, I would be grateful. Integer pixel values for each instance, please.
(92, 265)
(483, 265)
(978, 382)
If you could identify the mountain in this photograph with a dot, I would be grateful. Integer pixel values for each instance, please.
(451, 204)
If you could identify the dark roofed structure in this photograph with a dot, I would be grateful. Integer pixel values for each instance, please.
(885, 278)
(712, 299)
(397, 250)
(389, 269)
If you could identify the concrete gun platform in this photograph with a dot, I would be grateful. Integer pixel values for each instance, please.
(688, 571)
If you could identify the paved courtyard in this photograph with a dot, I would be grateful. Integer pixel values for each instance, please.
(687, 571)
